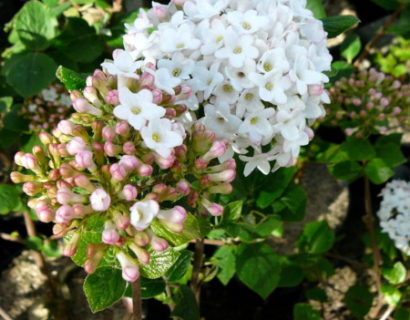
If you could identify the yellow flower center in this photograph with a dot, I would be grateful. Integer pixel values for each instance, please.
(267, 66)
(246, 25)
(269, 86)
(249, 96)
(136, 110)
(176, 72)
(219, 39)
(254, 120)
(237, 50)
(156, 137)
(227, 88)
(180, 45)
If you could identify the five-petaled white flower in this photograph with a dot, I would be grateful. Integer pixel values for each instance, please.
(142, 213)
(123, 64)
(137, 108)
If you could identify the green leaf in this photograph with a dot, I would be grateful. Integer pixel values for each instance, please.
(317, 238)
(71, 79)
(304, 311)
(316, 294)
(338, 24)
(391, 294)
(275, 186)
(340, 69)
(351, 47)
(232, 212)
(149, 288)
(269, 226)
(402, 27)
(9, 199)
(186, 307)
(180, 267)
(359, 301)
(159, 263)
(191, 231)
(79, 42)
(346, 170)
(51, 249)
(317, 8)
(14, 121)
(378, 171)
(7, 138)
(358, 149)
(292, 205)
(5, 104)
(34, 243)
(258, 267)
(401, 314)
(35, 25)
(387, 4)
(224, 258)
(388, 148)
(291, 274)
(29, 72)
(103, 288)
(396, 274)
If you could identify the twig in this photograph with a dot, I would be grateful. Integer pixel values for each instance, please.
(136, 300)
(379, 35)
(8, 237)
(198, 261)
(352, 262)
(387, 313)
(4, 315)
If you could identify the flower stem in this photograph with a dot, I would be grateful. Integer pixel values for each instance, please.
(136, 300)
(198, 261)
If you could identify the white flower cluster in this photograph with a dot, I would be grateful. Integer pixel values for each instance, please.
(394, 213)
(255, 68)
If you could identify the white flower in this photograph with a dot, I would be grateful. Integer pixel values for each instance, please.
(206, 80)
(123, 64)
(164, 80)
(248, 22)
(65, 100)
(142, 213)
(179, 66)
(212, 35)
(272, 86)
(161, 137)
(239, 77)
(202, 9)
(257, 126)
(237, 49)
(273, 61)
(137, 108)
(219, 120)
(178, 39)
(49, 94)
(259, 160)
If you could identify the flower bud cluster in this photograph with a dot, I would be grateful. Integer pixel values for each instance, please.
(125, 159)
(255, 66)
(394, 213)
(369, 102)
(45, 110)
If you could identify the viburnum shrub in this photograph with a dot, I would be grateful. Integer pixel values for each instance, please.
(45, 110)
(255, 67)
(369, 102)
(123, 167)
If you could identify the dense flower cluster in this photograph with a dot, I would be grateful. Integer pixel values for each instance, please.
(394, 213)
(255, 66)
(45, 110)
(124, 160)
(369, 102)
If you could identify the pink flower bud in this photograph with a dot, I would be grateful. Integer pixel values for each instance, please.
(18, 177)
(175, 215)
(159, 244)
(141, 239)
(80, 210)
(223, 176)
(129, 192)
(201, 164)
(357, 101)
(129, 162)
(44, 212)
(118, 172)
(223, 188)
(142, 254)
(45, 138)
(29, 161)
(183, 187)
(90, 93)
(71, 247)
(66, 196)
(396, 110)
(218, 149)
(156, 96)
(100, 200)
(396, 84)
(121, 222)
(110, 235)
(76, 145)
(130, 270)
(32, 188)
(147, 79)
(83, 182)
(122, 128)
(213, 208)
(84, 160)
(178, 3)
(111, 149)
(64, 214)
(159, 11)
(129, 148)
(349, 131)
(316, 89)
(112, 97)
(66, 127)
(108, 133)
(165, 163)
(83, 106)
(145, 170)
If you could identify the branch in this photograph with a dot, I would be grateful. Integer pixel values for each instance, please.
(4, 315)
(136, 300)
(379, 35)
(198, 261)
